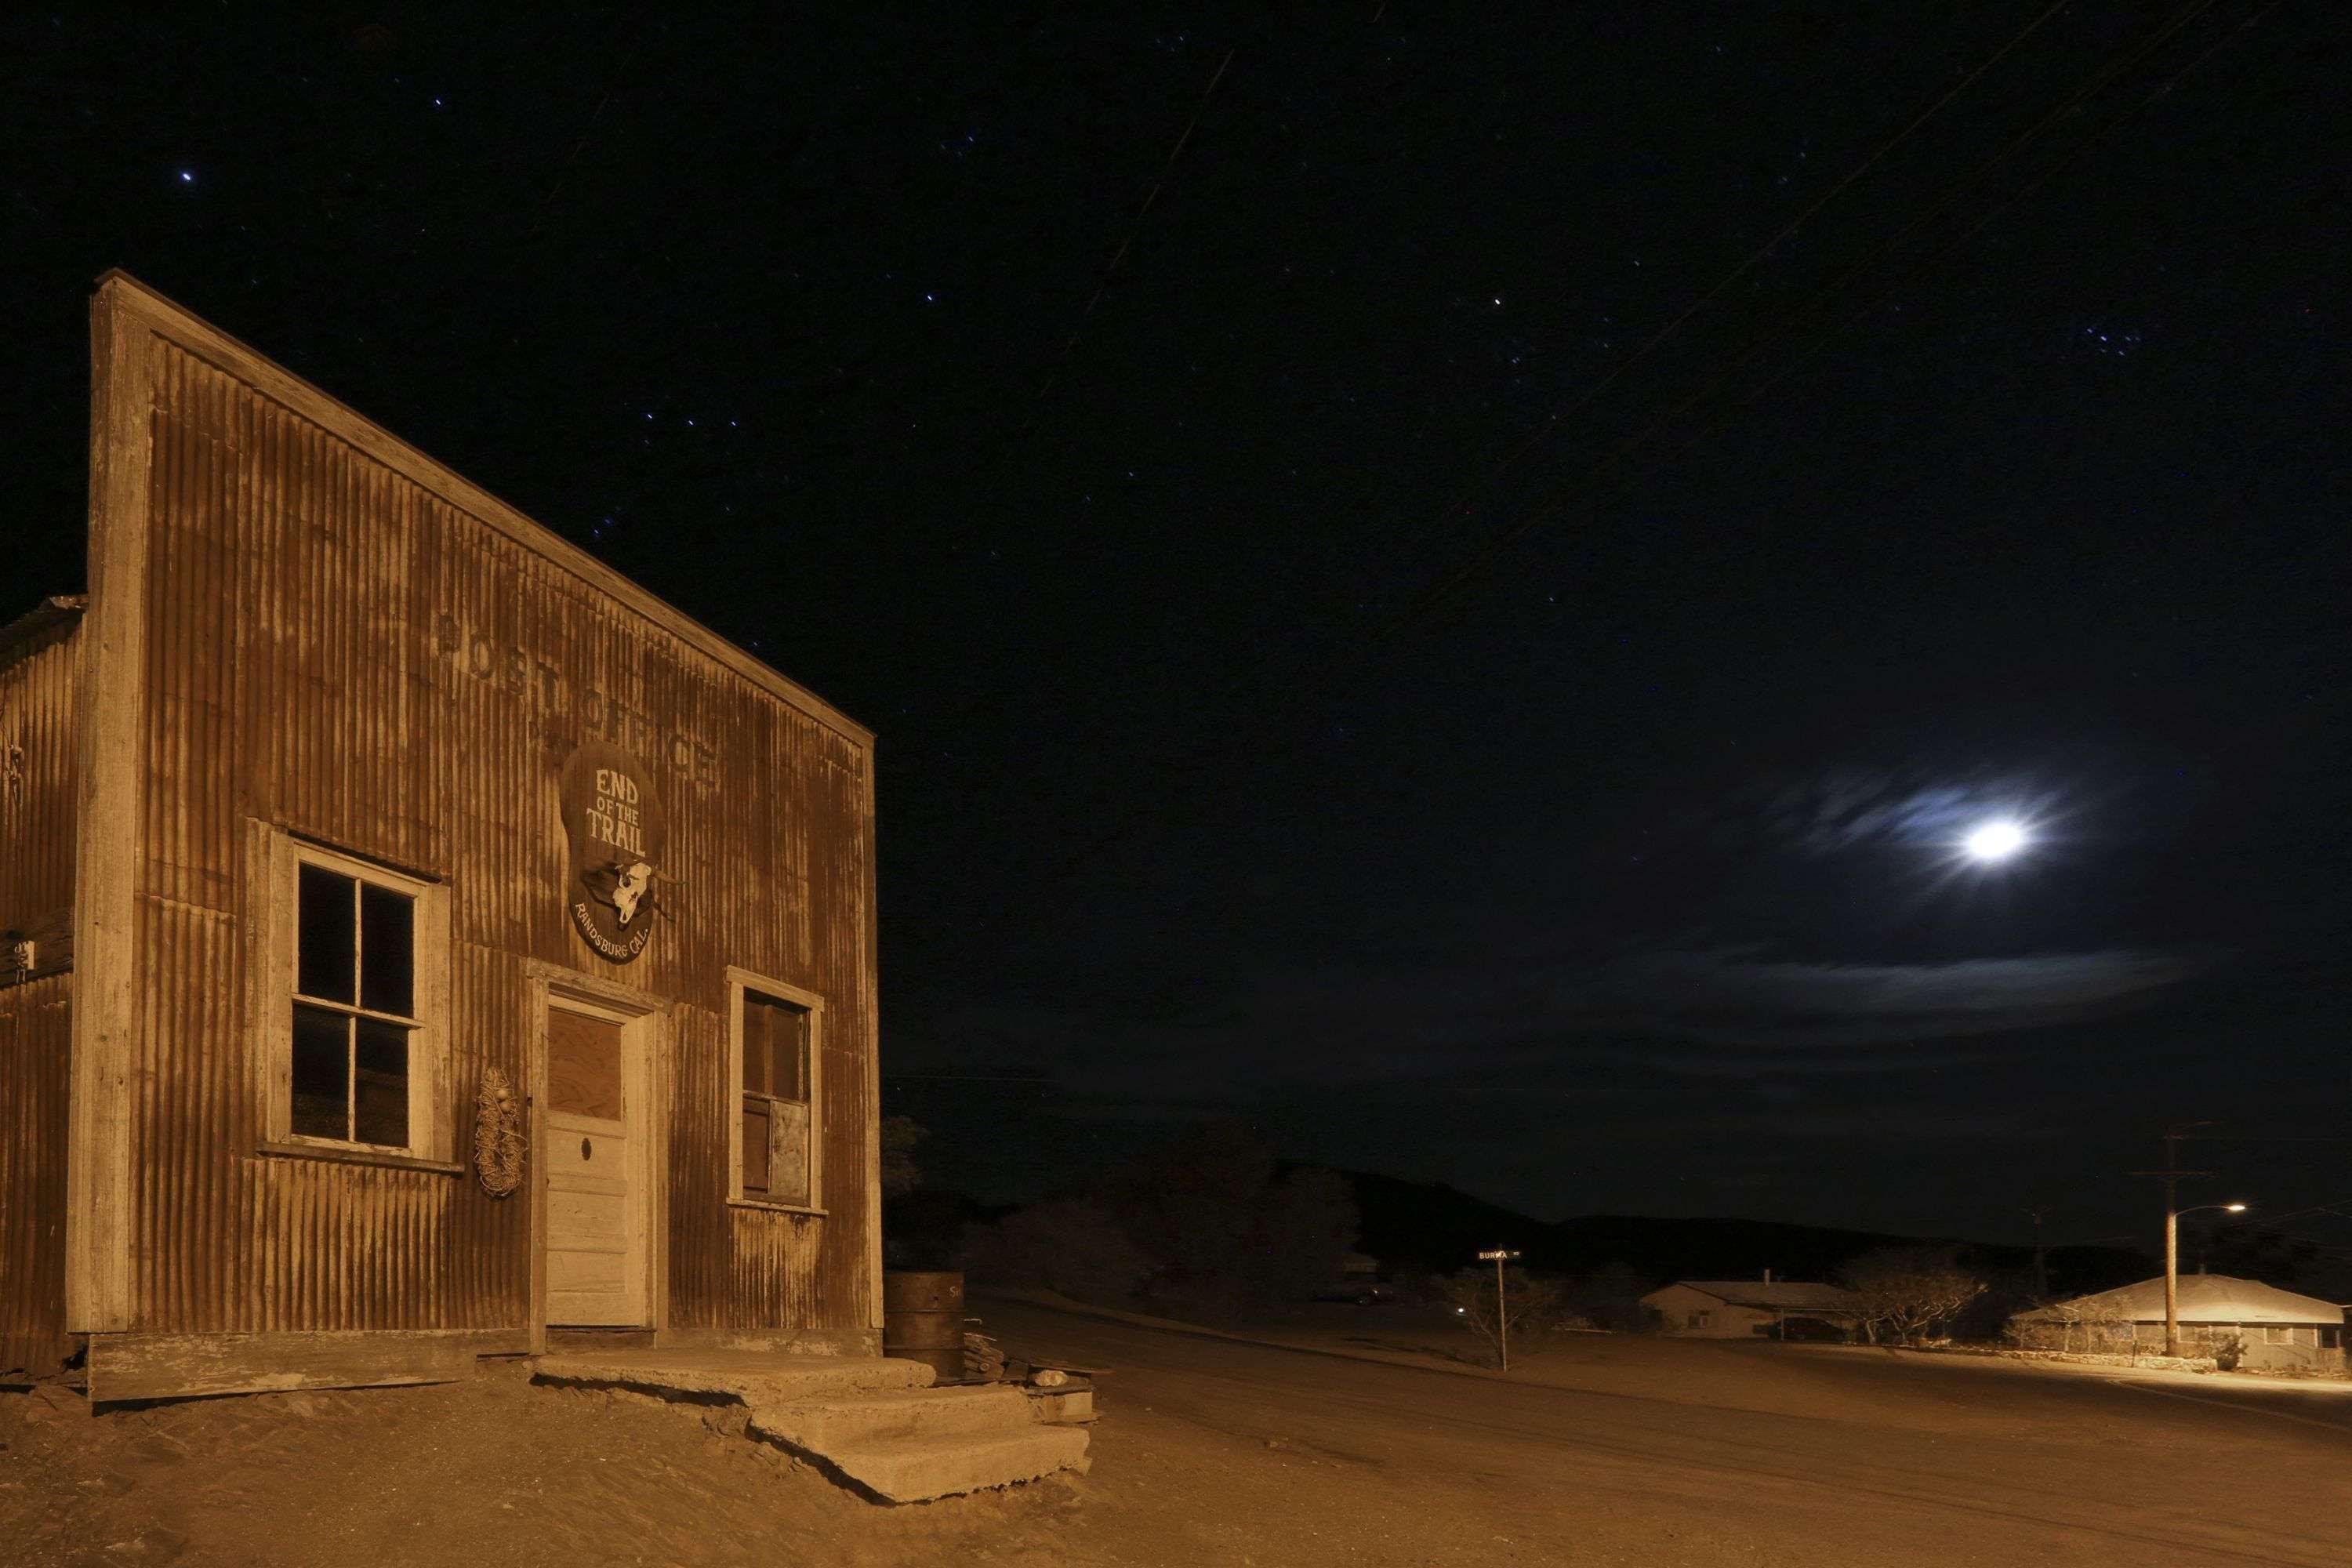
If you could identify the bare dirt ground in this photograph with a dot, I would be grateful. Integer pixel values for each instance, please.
(1412, 1335)
(1629, 1451)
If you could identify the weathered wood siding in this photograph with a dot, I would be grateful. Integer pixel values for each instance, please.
(36, 864)
(344, 640)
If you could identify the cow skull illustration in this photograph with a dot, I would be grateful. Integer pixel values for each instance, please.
(623, 886)
(635, 881)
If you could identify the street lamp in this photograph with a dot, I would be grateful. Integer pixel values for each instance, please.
(2172, 1265)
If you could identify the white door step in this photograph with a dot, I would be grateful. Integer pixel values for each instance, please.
(918, 1470)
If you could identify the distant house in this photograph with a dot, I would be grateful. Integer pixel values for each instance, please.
(1743, 1309)
(2242, 1322)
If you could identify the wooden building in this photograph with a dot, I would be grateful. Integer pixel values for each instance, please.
(420, 938)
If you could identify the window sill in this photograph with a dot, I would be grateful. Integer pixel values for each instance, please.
(355, 1155)
(740, 1203)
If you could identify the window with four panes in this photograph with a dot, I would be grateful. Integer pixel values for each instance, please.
(354, 1008)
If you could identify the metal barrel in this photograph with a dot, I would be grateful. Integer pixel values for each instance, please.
(922, 1320)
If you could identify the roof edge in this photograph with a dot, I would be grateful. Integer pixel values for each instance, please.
(52, 611)
(119, 290)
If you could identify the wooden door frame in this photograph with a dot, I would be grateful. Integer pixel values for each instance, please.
(646, 1042)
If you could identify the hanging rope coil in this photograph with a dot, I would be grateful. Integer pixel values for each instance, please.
(498, 1134)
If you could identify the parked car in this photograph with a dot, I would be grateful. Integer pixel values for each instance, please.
(1366, 1295)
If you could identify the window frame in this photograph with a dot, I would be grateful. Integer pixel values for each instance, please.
(740, 983)
(273, 903)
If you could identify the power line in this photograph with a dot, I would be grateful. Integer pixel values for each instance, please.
(1425, 605)
(1586, 399)
(1070, 344)
(1259, 668)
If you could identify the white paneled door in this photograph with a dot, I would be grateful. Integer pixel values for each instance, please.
(595, 1137)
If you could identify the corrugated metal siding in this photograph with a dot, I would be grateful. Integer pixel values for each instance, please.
(36, 868)
(37, 774)
(35, 1035)
(337, 650)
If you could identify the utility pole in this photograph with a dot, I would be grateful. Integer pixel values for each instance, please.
(2171, 1176)
(2041, 1258)
(1499, 1257)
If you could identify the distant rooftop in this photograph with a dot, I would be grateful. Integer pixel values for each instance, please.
(2202, 1299)
(1778, 1295)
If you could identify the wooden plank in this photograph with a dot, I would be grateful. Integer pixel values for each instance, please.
(788, 1152)
(584, 1065)
(110, 698)
(869, 953)
(184, 1366)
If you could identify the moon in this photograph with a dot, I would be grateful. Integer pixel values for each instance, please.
(1994, 841)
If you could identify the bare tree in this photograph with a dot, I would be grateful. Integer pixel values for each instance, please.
(1230, 1228)
(1069, 1245)
(1610, 1297)
(2070, 1326)
(1906, 1292)
(1534, 1304)
(900, 1174)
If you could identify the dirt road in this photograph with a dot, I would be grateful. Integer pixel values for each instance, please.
(1645, 1453)
(1677, 1452)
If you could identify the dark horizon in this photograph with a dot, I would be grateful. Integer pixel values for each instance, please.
(1195, 449)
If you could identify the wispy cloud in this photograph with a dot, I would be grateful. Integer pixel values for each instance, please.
(1700, 1014)
(1738, 998)
(1858, 807)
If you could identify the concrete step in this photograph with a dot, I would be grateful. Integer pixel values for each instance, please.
(755, 1377)
(594, 1340)
(1071, 1404)
(916, 1469)
(823, 1424)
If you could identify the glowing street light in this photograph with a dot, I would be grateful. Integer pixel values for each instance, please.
(1994, 841)
(2171, 1174)
(2172, 1265)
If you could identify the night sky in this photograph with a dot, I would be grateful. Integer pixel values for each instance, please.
(1443, 579)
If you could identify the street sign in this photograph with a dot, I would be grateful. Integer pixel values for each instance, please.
(1498, 1255)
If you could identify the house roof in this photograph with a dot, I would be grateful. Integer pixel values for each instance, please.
(1777, 1295)
(55, 610)
(2200, 1299)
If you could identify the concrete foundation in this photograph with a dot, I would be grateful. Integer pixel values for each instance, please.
(875, 1421)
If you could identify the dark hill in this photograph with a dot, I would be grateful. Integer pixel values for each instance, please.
(1429, 1227)
(1712, 1249)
